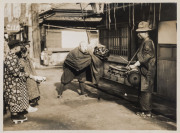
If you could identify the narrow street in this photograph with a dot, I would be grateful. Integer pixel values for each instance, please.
(75, 112)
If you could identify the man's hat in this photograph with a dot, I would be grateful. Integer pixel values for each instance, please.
(143, 26)
(14, 43)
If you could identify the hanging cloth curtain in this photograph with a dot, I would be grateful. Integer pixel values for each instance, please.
(133, 16)
(115, 17)
(106, 16)
(151, 9)
(159, 11)
(154, 20)
(109, 14)
(123, 7)
(143, 12)
(129, 15)
(141, 5)
(150, 19)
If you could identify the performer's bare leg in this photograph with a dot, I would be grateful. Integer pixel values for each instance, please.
(61, 90)
(98, 92)
(82, 87)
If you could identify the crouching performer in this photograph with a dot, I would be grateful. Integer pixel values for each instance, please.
(83, 63)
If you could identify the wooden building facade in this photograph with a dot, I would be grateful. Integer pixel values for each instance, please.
(63, 29)
(117, 32)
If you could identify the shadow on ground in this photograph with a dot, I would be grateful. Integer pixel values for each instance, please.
(104, 92)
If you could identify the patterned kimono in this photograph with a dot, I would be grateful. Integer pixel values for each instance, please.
(32, 86)
(15, 92)
(146, 57)
(6, 49)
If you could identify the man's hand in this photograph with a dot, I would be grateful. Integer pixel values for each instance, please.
(26, 74)
(132, 66)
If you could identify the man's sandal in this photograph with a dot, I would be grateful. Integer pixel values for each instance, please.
(143, 114)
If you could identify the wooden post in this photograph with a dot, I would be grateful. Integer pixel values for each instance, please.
(36, 32)
(30, 32)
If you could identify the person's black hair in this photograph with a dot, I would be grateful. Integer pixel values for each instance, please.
(14, 43)
(22, 51)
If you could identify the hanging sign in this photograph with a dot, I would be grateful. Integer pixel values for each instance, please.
(13, 27)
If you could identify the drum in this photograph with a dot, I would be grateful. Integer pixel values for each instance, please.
(134, 77)
(117, 70)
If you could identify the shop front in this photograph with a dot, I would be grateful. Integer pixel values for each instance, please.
(117, 32)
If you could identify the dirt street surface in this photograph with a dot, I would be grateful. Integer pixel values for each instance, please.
(75, 112)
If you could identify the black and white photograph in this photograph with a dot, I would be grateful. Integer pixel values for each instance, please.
(91, 66)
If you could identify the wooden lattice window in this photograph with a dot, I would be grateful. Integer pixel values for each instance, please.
(117, 41)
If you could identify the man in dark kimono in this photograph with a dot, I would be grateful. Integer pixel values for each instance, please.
(146, 62)
(79, 61)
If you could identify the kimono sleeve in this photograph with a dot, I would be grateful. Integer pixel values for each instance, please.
(147, 52)
(32, 67)
(13, 66)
